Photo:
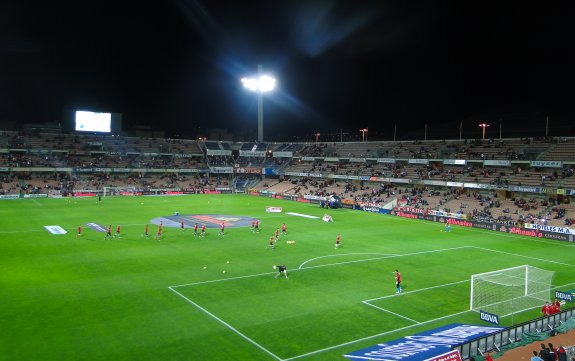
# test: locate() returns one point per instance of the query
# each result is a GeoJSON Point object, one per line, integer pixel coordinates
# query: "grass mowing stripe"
{"type": "Point", "coordinates": [227, 325]}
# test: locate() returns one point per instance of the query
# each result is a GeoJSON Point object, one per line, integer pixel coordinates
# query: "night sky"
{"type": "Point", "coordinates": [340, 65]}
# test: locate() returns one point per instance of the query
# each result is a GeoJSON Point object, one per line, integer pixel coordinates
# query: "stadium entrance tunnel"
{"type": "Point", "coordinates": [210, 220]}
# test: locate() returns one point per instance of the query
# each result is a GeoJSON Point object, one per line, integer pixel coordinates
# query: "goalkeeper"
{"type": "Point", "coordinates": [281, 270]}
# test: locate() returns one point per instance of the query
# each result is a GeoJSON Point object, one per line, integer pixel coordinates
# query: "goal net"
{"type": "Point", "coordinates": [119, 191]}
{"type": "Point", "coordinates": [510, 290]}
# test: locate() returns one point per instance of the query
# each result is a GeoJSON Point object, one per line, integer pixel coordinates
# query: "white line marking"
{"type": "Point", "coordinates": [301, 215]}
{"type": "Point", "coordinates": [343, 254]}
{"type": "Point", "coordinates": [391, 256]}
{"type": "Point", "coordinates": [227, 325]}
{"type": "Point", "coordinates": [388, 311]}
{"type": "Point", "coordinates": [419, 290]}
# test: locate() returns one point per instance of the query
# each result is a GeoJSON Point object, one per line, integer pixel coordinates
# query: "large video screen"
{"type": "Point", "coordinates": [85, 121]}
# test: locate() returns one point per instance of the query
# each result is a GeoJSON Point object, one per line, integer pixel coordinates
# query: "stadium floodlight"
{"type": "Point", "coordinates": [363, 133]}
{"type": "Point", "coordinates": [261, 84]}
{"type": "Point", "coordinates": [484, 126]}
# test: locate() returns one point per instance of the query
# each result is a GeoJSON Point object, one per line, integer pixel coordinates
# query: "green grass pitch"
{"type": "Point", "coordinates": [63, 298]}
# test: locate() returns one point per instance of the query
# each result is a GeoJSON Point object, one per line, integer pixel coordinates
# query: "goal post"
{"type": "Point", "coordinates": [507, 291]}
{"type": "Point", "coordinates": [119, 191]}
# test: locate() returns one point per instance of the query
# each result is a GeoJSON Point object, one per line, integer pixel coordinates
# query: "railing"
{"type": "Point", "coordinates": [511, 334]}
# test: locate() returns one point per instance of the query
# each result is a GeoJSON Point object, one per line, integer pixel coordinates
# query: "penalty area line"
{"type": "Point", "coordinates": [391, 312]}
{"type": "Point", "coordinates": [226, 325]}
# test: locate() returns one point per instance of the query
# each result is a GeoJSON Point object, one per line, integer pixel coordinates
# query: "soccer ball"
{"type": "Point", "coordinates": [274, 267]}
{"type": "Point", "coordinates": [205, 267]}
{"type": "Point", "coordinates": [224, 271]}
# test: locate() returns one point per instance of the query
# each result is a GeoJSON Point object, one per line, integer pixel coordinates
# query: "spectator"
{"type": "Point", "coordinates": [535, 357]}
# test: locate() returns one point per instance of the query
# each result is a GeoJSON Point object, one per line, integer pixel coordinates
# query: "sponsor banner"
{"type": "Point", "coordinates": [83, 170]}
{"type": "Point", "coordinates": [270, 171]}
{"type": "Point", "coordinates": [489, 317]}
{"type": "Point", "coordinates": [283, 154]}
{"type": "Point", "coordinates": [552, 229]}
{"type": "Point", "coordinates": [331, 159]}
{"type": "Point", "coordinates": [415, 210]}
{"type": "Point", "coordinates": [454, 184]}
{"type": "Point", "coordinates": [4, 169]}
{"type": "Point", "coordinates": [347, 206]}
{"type": "Point", "coordinates": [248, 170]}
{"type": "Point", "coordinates": [385, 160]}
{"type": "Point", "coordinates": [357, 160]}
{"type": "Point", "coordinates": [96, 227]}
{"type": "Point", "coordinates": [424, 346]}
{"type": "Point", "coordinates": [314, 197]}
{"type": "Point", "coordinates": [570, 192]}
{"type": "Point", "coordinates": [295, 174]}
{"type": "Point", "coordinates": [309, 159]}
{"type": "Point", "coordinates": [55, 229]}
{"type": "Point", "coordinates": [434, 183]}
{"type": "Point", "coordinates": [371, 209]}
{"type": "Point", "coordinates": [524, 189]}
{"type": "Point", "coordinates": [418, 161]}
{"type": "Point", "coordinates": [315, 175]}
{"type": "Point", "coordinates": [448, 356]}
{"type": "Point", "coordinates": [274, 209]}
{"type": "Point", "coordinates": [121, 170]}
{"type": "Point", "coordinates": [183, 155]}
{"type": "Point", "coordinates": [455, 161]}
{"type": "Point", "coordinates": [446, 214]}
{"type": "Point", "coordinates": [84, 194]}
{"type": "Point", "coordinates": [303, 200]}
{"type": "Point", "coordinates": [479, 185]}
{"type": "Point", "coordinates": [494, 221]}
{"type": "Point", "coordinates": [221, 169]}
{"type": "Point", "coordinates": [218, 152]}
{"type": "Point", "coordinates": [364, 177]}
{"type": "Point", "coordinates": [547, 163]}
{"type": "Point", "coordinates": [97, 144]}
{"type": "Point", "coordinates": [565, 296]}
{"type": "Point", "coordinates": [210, 191]}
{"type": "Point", "coordinates": [253, 153]}
{"type": "Point", "coordinates": [10, 196]}
{"type": "Point", "coordinates": [497, 162]}
{"type": "Point", "coordinates": [36, 195]}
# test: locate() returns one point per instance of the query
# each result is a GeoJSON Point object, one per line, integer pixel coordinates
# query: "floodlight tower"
{"type": "Point", "coordinates": [261, 84]}
{"type": "Point", "coordinates": [363, 133]}
{"type": "Point", "coordinates": [484, 126]}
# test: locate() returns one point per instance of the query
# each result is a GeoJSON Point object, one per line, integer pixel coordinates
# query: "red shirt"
{"type": "Point", "coordinates": [146, 229]}
{"type": "Point", "coordinates": [79, 230]}
{"type": "Point", "coordinates": [338, 239]}
{"type": "Point", "coordinates": [109, 230]}
{"type": "Point", "coordinates": [222, 226]}
{"type": "Point", "coordinates": [283, 227]}
{"type": "Point", "coordinates": [398, 276]}
{"type": "Point", "coordinates": [271, 240]}
{"type": "Point", "coordinates": [545, 310]}
{"type": "Point", "coordinates": [118, 229]}
{"type": "Point", "coordinates": [195, 227]}
{"type": "Point", "coordinates": [203, 228]}
{"type": "Point", "coordinates": [277, 232]}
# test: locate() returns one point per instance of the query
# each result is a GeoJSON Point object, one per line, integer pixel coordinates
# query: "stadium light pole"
{"type": "Point", "coordinates": [484, 126]}
{"type": "Point", "coordinates": [363, 132]}
{"type": "Point", "coordinates": [261, 84]}
{"type": "Point", "coordinates": [317, 137]}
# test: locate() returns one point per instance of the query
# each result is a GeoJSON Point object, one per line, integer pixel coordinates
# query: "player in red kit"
{"type": "Point", "coordinates": [546, 309]}
{"type": "Point", "coordinates": [146, 232]}
{"type": "Point", "coordinates": [257, 226]}
{"type": "Point", "coordinates": [397, 281]}
{"type": "Point", "coordinates": [159, 232]}
{"type": "Point", "coordinates": [108, 232]}
{"type": "Point", "coordinates": [195, 229]}
{"type": "Point", "coordinates": [222, 229]}
{"type": "Point", "coordinates": [277, 234]}
{"type": "Point", "coordinates": [253, 225]}
{"type": "Point", "coordinates": [182, 225]}
{"type": "Point", "coordinates": [117, 231]}
{"type": "Point", "coordinates": [338, 241]}
{"type": "Point", "coordinates": [79, 234]}
{"type": "Point", "coordinates": [272, 244]}
{"type": "Point", "coordinates": [284, 228]}
{"type": "Point", "coordinates": [203, 232]}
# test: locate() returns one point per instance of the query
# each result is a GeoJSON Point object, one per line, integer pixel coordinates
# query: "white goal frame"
{"type": "Point", "coordinates": [540, 289]}
{"type": "Point", "coordinates": [125, 191]}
